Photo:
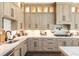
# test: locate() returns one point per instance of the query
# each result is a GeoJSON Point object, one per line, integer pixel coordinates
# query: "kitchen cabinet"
{"type": "Point", "coordinates": [65, 42]}
{"type": "Point", "coordinates": [76, 42]}
{"type": "Point", "coordinates": [34, 44]}
{"type": "Point", "coordinates": [14, 13]}
{"type": "Point", "coordinates": [63, 13]}
{"type": "Point", "coordinates": [49, 44]}
{"type": "Point", "coordinates": [9, 10]}
{"type": "Point", "coordinates": [17, 51]}
{"type": "Point", "coordinates": [21, 49]}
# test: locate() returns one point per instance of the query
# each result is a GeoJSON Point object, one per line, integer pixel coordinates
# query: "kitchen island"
{"type": "Point", "coordinates": [69, 51]}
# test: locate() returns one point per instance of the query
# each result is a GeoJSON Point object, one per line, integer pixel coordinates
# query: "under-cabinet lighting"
{"type": "Point", "coordinates": [27, 9]}
{"type": "Point", "coordinates": [39, 9]}
{"type": "Point", "coordinates": [19, 4]}
{"type": "Point", "coordinates": [45, 9]}
{"type": "Point", "coordinates": [33, 9]}
{"type": "Point", "coordinates": [51, 9]}
{"type": "Point", "coordinates": [73, 9]}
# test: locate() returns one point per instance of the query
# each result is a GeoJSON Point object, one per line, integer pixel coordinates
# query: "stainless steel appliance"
{"type": "Point", "coordinates": [60, 30]}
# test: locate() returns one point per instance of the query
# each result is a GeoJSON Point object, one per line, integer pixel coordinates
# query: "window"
{"type": "Point", "coordinates": [27, 9]}
{"type": "Point", "coordinates": [45, 9]}
{"type": "Point", "coordinates": [33, 9]}
{"type": "Point", "coordinates": [7, 24]}
{"type": "Point", "coordinates": [39, 9]}
{"type": "Point", "coordinates": [51, 9]}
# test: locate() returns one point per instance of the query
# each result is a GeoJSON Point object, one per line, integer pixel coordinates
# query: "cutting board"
{"type": "Point", "coordinates": [2, 38]}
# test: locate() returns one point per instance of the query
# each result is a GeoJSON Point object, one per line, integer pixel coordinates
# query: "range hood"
{"type": "Point", "coordinates": [60, 30]}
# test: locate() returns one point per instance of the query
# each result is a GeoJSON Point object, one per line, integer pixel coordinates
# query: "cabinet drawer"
{"type": "Point", "coordinates": [65, 42]}
{"type": "Point", "coordinates": [50, 49]}
{"type": "Point", "coordinates": [50, 39]}
{"type": "Point", "coordinates": [46, 43]}
{"type": "Point", "coordinates": [76, 42]}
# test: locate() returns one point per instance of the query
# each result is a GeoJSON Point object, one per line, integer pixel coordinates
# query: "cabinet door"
{"type": "Point", "coordinates": [76, 42]}
{"type": "Point", "coordinates": [63, 13]}
{"type": "Point", "coordinates": [28, 44]}
{"type": "Point", "coordinates": [59, 13]}
{"type": "Point", "coordinates": [6, 9]}
{"type": "Point", "coordinates": [34, 44]}
{"type": "Point", "coordinates": [65, 42]}
{"type": "Point", "coordinates": [49, 44]}
{"type": "Point", "coordinates": [23, 48]}
{"type": "Point", "coordinates": [17, 52]}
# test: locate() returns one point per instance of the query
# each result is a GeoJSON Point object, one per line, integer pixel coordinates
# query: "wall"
{"type": "Point", "coordinates": [1, 13]}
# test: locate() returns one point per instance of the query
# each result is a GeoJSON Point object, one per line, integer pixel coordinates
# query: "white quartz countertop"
{"type": "Point", "coordinates": [49, 34]}
{"type": "Point", "coordinates": [6, 47]}
{"type": "Point", "coordinates": [70, 50]}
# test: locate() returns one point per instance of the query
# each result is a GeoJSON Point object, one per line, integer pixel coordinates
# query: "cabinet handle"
{"type": "Point", "coordinates": [50, 48]}
{"type": "Point", "coordinates": [64, 43]}
{"type": "Point", "coordinates": [50, 43]}
{"type": "Point", "coordinates": [64, 17]}
{"type": "Point", "coordinates": [49, 39]}
{"type": "Point", "coordinates": [78, 43]}
{"type": "Point", "coordinates": [20, 51]}
{"type": "Point", "coordinates": [35, 44]}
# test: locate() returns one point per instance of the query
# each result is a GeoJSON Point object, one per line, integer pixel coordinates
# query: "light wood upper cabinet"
{"type": "Point", "coordinates": [63, 13]}
{"type": "Point", "coordinates": [7, 10]}
{"type": "Point", "coordinates": [10, 10]}
{"type": "Point", "coordinates": [21, 49]}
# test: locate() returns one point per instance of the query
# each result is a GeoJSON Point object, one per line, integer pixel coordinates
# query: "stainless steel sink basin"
{"type": "Point", "coordinates": [12, 41]}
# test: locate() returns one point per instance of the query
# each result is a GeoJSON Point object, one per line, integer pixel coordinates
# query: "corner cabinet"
{"type": "Point", "coordinates": [21, 49]}
{"type": "Point", "coordinates": [34, 44]}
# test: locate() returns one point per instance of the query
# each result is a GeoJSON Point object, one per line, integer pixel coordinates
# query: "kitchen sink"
{"type": "Point", "coordinates": [12, 41]}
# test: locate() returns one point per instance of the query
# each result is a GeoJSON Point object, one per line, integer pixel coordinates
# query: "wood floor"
{"type": "Point", "coordinates": [43, 54]}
